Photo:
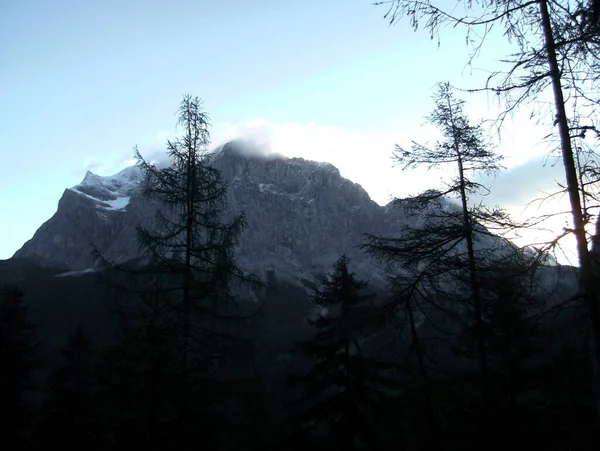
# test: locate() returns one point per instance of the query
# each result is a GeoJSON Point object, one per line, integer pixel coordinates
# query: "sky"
{"type": "Point", "coordinates": [82, 82]}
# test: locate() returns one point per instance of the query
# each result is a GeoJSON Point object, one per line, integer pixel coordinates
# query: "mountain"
{"type": "Point", "coordinates": [302, 215]}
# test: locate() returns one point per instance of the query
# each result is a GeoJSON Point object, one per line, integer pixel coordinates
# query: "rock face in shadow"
{"type": "Point", "coordinates": [302, 215]}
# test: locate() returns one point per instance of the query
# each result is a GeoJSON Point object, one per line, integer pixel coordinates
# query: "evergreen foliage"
{"type": "Point", "coordinates": [17, 362]}
{"type": "Point", "coordinates": [166, 376]}
{"type": "Point", "coordinates": [68, 416]}
{"type": "Point", "coordinates": [346, 392]}
{"type": "Point", "coordinates": [447, 274]}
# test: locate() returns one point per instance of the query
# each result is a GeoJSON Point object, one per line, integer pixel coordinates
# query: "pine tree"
{"type": "Point", "coordinates": [17, 362]}
{"type": "Point", "coordinates": [68, 412]}
{"type": "Point", "coordinates": [346, 391]}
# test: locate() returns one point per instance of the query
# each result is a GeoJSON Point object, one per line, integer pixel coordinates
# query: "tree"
{"type": "Point", "coordinates": [140, 376]}
{"type": "Point", "coordinates": [189, 316]}
{"type": "Point", "coordinates": [511, 306]}
{"type": "Point", "coordinates": [192, 241]}
{"type": "Point", "coordinates": [411, 305]}
{"type": "Point", "coordinates": [345, 390]}
{"type": "Point", "coordinates": [68, 412]}
{"type": "Point", "coordinates": [17, 360]}
{"type": "Point", "coordinates": [558, 49]}
{"type": "Point", "coordinates": [439, 264]}
{"type": "Point", "coordinates": [438, 244]}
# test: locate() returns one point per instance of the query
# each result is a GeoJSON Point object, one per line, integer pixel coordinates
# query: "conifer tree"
{"type": "Point", "coordinates": [449, 243]}
{"type": "Point", "coordinates": [557, 49]}
{"type": "Point", "coordinates": [192, 241]}
{"type": "Point", "coordinates": [140, 376]}
{"type": "Point", "coordinates": [344, 393]}
{"type": "Point", "coordinates": [188, 317]}
{"type": "Point", "coordinates": [438, 263]}
{"type": "Point", "coordinates": [511, 306]}
{"type": "Point", "coordinates": [17, 362]}
{"type": "Point", "coordinates": [409, 298]}
{"type": "Point", "coordinates": [68, 413]}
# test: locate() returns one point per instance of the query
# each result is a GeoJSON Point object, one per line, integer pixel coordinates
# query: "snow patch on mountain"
{"type": "Point", "coordinates": [76, 273]}
{"type": "Point", "coordinates": [112, 193]}
{"type": "Point", "coordinates": [119, 203]}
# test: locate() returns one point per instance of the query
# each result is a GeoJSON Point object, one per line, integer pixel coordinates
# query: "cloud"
{"type": "Point", "coordinates": [363, 157]}
{"type": "Point", "coordinates": [100, 166]}
{"type": "Point", "coordinates": [524, 182]}
{"type": "Point", "coordinates": [529, 192]}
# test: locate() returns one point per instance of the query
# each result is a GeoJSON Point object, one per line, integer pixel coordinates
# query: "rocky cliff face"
{"type": "Point", "coordinates": [93, 213]}
{"type": "Point", "coordinates": [301, 216]}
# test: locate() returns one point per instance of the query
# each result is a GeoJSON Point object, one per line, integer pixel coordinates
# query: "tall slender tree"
{"type": "Point", "coordinates": [557, 50]}
{"type": "Point", "coordinates": [193, 247]}
{"type": "Point", "coordinates": [191, 239]}
{"type": "Point", "coordinates": [447, 246]}
{"type": "Point", "coordinates": [440, 264]}
{"type": "Point", "coordinates": [188, 318]}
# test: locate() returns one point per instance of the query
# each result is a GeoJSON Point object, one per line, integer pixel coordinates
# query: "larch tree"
{"type": "Point", "coordinates": [557, 48]}
{"type": "Point", "coordinates": [438, 264]}
{"type": "Point", "coordinates": [447, 245]}
{"type": "Point", "coordinates": [192, 240]}
{"type": "Point", "coordinates": [188, 318]}
{"type": "Point", "coordinates": [193, 246]}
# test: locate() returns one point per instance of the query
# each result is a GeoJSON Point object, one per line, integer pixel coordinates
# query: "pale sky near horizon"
{"type": "Point", "coordinates": [82, 82]}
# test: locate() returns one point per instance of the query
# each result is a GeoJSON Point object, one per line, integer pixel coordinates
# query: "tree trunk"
{"type": "Point", "coordinates": [587, 282]}
{"type": "Point", "coordinates": [187, 282]}
{"type": "Point", "coordinates": [476, 292]}
{"type": "Point", "coordinates": [433, 439]}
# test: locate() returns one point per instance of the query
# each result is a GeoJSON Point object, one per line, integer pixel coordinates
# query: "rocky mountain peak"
{"type": "Point", "coordinates": [301, 216]}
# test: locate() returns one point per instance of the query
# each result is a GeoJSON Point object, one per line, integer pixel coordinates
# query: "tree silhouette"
{"type": "Point", "coordinates": [346, 391]}
{"type": "Point", "coordinates": [188, 318]}
{"type": "Point", "coordinates": [17, 361]}
{"type": "Point", "coordinates": [68, 412]}
{"type": "Point", "coordinates": [557, 50]}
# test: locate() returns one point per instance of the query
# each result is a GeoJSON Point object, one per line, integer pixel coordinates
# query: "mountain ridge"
{"type": "Point", "coordinates": [301, 216]}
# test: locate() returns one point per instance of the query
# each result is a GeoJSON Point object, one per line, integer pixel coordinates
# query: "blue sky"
{"type": "Point", "coordinates": [82, 82]}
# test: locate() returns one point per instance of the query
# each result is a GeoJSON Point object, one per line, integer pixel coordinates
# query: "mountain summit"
{"type": "Point", "coordinates": [302, 215]}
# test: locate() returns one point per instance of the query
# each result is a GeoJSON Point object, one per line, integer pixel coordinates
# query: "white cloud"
{"type": "Point", "coordinates": [100, 166]}
{"type": "Point", "coordinates": [363, 157]}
